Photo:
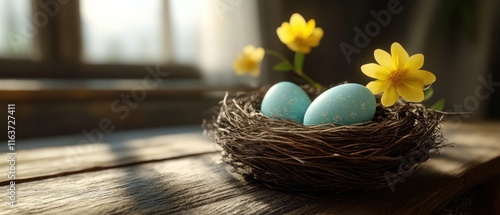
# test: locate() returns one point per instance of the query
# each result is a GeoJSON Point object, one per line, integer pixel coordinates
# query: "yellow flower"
{"type": "Point", "coordinates": [298, 35]}
{"type": "Point", "coordinates": [398, 75]}
{"type": "Point", "coordinates": [248, 62]}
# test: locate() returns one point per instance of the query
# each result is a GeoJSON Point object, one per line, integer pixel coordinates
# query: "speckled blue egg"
{"type": "Point", "coordinates": [342, 105]}
{"type": "Point", "coordinates": [285, 100]}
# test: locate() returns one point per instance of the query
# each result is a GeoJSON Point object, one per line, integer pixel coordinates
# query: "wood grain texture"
{"type": "Point", "coordinates": [75, 153]}
{"type": "Point", "coordinates": [199, 184]}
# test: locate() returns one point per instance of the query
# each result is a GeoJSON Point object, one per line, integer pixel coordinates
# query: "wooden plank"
{"type": "Point", "coordinates": [200, 184]}
{"type": "Point", "coordinates": [76, 154]}
{"type": "Point", "coordinates": [472, 144]}
{"type": "Point", "coordinates": [70, 116]}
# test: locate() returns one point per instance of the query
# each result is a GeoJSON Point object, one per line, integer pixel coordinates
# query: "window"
{"type": "Point", "coordinates": [14, 42]}
{"type": "Point", "coordinates": [118, 38]}
{"type": "Point", "coordinates": [83, 56]}
{"type": "Point", "coordinates": [130, 34]}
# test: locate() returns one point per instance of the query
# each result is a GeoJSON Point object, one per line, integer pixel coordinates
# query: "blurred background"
{"type": "Point", "coordinates": [69, 64]}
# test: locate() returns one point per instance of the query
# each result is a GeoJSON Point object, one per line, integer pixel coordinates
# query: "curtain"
{"type": "Point", "coordinates": [457, 37]}
{"type": "Point", "coordinates": [210, 33]}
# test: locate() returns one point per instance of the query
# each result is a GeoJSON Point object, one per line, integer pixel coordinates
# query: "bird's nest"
{"type": "Point", "coordinates": [287, 155]}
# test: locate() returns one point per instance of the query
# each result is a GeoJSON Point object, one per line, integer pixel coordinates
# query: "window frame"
{"type": "Point", "coordinates": [58, 46]}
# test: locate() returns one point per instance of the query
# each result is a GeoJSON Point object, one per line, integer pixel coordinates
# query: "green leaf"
{"type": "Point", "coordinates": [299, 61]}
{"type": "Point", "coordinates": [439, 105]}
{"type": "Point", "coordinates": [284, 66]}
{"type": "Point", "coordinates": [428, 93]}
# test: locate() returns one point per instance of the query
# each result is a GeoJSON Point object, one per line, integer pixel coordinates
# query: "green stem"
{"type": "Point", "coordinates": [309, 79]}
{"type": "Point", "coordinates": [296, 69]}
{"type": "Point", "coordinates": [299, 64]}
{"type": "Point", "coordinates": [278, 55]}
{"type": "Point", "coordinates": [298, 60]}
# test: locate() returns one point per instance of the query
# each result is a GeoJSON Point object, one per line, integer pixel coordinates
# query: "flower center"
{"type": "Point", "coordinates": [397, 77]}
{"type": "Point", "coordinates": [250, 64]}
{"type": "Point", "coordinates": [300, 41]}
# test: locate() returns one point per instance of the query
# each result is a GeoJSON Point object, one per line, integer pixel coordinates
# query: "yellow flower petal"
{"type": "Point", "coordinates": [398, 75]}
{"type": "Point", "coordinates": [293, 47]}
{"type": "Point", "coordinates": [415, 62]}
{"type": "Point", "coordinates": [297, 22]}
{"type": "Point", "coordinates": [315, 37]}
{"type": "Point", "coordinates": [238, 68]}
{"type": "Point", "coordinates": [423, 76]}
{"type": "Point", "coordinates": [411, 91]}
{"type": "Point", "coordinates": [378, 86]}
{"type": "Point", "coordinates": [389, 97]}
{"type": "Point", "coordinates": [257, 54]}
{"type": "Point", "coordinates": [399, 56]}
{"type": "Point", "coordinates": [248, 61]}
{"type": "Point", "coordinates": [285, 33]}
{"type": "Point", "coordinates": [248, 50]}
{"type": "Point", "coordinates": [298, 35]}
{"type": "Point", "coordinates": [296, 47]}
{"type": "Point", "coordinates": [376, 71]}
{"type": "Point", "coordinates": [309, 28]}
{"type": "Point", "coordinates": [384, 59]}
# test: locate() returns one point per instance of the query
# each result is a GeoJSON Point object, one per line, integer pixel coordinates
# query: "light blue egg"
{"type": "Point", "coordinates": [342, 105]}
{"type": "Point", "coordinates": [285, 100]}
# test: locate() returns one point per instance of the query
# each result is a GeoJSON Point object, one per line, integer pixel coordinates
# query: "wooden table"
{"type": "Point", "coordinates": [178, 171]}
